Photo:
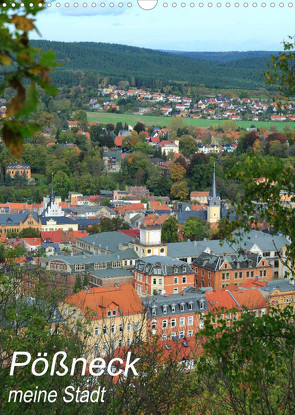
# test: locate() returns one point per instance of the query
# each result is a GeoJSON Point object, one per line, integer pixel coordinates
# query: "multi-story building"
{"type": "Point", "coordinates": [176, 315]}
{"type": "Point", "coordinates": [16, 222]}
{"type": "Point", "coordinates": [113, 316]}
{"type": "Point", "coordinates": [280, 293]}
{"type": "Point", "coordinates": [219, 271]}
{"type": "Point", "coordinates": [21, 169]}
{"type": "Point", "coordinates": [161, 275]}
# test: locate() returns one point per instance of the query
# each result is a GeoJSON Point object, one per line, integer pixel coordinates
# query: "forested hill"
{"type": "Point", "coordinates": [151, 68]}
{"type": "Point", "coordinates": [225, 56]}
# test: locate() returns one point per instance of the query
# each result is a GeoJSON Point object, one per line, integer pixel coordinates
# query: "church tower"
{"type": "Point", "coordinates": [214, 203]}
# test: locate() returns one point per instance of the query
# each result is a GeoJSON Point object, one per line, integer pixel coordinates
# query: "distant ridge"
{"type": "Point", "coordinates": [149, 68]}
{"type": "Point", "coordinates": [225, 56]}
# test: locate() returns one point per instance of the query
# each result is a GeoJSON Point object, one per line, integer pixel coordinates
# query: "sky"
{"type": "Point", "coordinates": [179, 28]}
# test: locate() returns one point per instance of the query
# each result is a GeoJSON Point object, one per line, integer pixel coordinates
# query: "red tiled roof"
{"type": "Point", "coordinates": [221, 299]}
{"type": "Point", "coordinates": [33, 241]}
{"type": "Point", "coordinates": [118, 140]}
{"type": "Point", "coordinates": [95, 302]}
{"type": "Point", "coordinates": [134, 233]}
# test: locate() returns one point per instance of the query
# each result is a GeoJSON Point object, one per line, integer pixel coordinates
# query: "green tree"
{"type": "Point", "coordinates": [78, 284]}
{"type": "Point", "coordinates": [195, 229]}
{"type": "Point", "coordinates": [23, 69]}
{"type": "Point", "coordinates": [29, 233]}
{"type": "Point", "coordinates": [187, 146]}
{"type": "Point", "coordinates": [247, 366]}
{"type": "Point", "coordinates": [170, 230]}
{"type": "Point", "coordinates": [281, 72]}
{"type": "Point", "coordinates": [179, 190]}
{"type": "Point", "coordinates": [61, 184]}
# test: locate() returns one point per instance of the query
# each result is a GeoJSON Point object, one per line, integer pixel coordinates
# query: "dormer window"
{"type": "Point", "coordinates": [225, 266]}
{"type": "Point", "coordinates": [182, 307]}
{"type": "Point", "coordinates": [202, 305]}
{"type": "Point", "coordinates": [164, 309]}
{"type": "Point", "coordinates": [190, 306]}
{"type": "Point", "coordinates": [109, 313]}
{"type": "Point", "coordinates": [154, 311]}
{"type": "Point", "coordinates": [173, 308]}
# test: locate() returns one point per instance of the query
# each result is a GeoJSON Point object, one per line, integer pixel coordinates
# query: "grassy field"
{"type": "Point", "coordinates": [110, 118]}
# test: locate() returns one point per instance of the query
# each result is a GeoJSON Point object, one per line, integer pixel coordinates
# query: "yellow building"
{"type": "Point", "coordinates": [16, 222]}
{"type": "Point", "coordinates": [22, 169]}
{"type": "Point", "coordinates": [113, 317]}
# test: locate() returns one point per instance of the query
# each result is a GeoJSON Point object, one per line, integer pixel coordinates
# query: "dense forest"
{"type": "Point", "coordinates": [153, 69]}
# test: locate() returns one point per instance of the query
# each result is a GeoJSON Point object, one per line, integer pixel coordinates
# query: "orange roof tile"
{"type": "Point", "coordinates": [95, 302]}
{"type": "Point", "coordinates": [219, 300]}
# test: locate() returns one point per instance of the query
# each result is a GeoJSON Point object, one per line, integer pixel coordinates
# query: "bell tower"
{"type": "Point", "coordinates": [150, 242]}
{"type": "Point", "coordinates": [214, 203]}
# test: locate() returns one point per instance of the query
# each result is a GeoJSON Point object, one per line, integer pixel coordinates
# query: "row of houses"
{"type": "Point", "coordinates": [116, 316]}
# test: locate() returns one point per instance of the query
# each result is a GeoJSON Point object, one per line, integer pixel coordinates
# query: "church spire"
{"type": "Point", "coordinates": [213, 189]}
{"type": "Point", "coordinates": [52, 197]}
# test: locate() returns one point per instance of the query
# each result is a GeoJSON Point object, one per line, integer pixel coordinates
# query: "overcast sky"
{"type": "Point", "coordinates": [194, 29]}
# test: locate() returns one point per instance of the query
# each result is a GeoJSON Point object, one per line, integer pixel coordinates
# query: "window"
{"type": "Point", "coordinates": [175, 290]}
{"type": "Point", "coordinates": [190, 306]}
{"type": "Point", "coordinates": [183, 280]}
{"type": "Point", "coordinates": [104, 345]}
{"type": "Point", "coordinates": [164, 337]}
{"type": "Point", "coordinates": [181, 307]}
{"type": "Point", "coordinates": [223, 276]}
{"type": "Point", "coordinates": [79, 267]}
{"type": "Point", "coordinates": [201, 324]}
{"type": "Point", "coordinates": [175, 280]}
{"type": "Point", "coordinates": [236, 275]}
{"type": "Point", "coordinates": [209, 275]}
{"type": "Point", "coordinates": [100, 265]}
{"type": "Point", "coordinates": [109, 313]}
{"type": "Point", "coordinates": [173, 322]}
{"type": "Point", "coordinates": [120, 328]}
{"type": "Point", "coordinates": [260, 272]}
{"type": "Point", "coordinates": [113, 329]}
{"type": "Point", "coordinates": [164, 324]}
{"type": "Point", "coordinates": [129, 327]}
{"type": "Point", "coordinates": [128, 342]}
{"type": "Point", "coordinates": [154, 311]}
{"type": "Point", "coordinates": [241, 274]}
{"type": "Point", "coordinates": [190, 333]}
{"type": "Point", "coordinates": [162, 250]}
{"type": "Point", "coordinates": [190, 321]}
{"type": "Point", "coordinates": [264, 273]}
{"type": "Point", "coordinates": [173, 309]}
{"type": "Point", "coordinates": [136, 326]}
{"type": "Point", "coordinates": [182, 321]}
{"type": "Point", "coordinates": [149, 251]}
{"type": "Point", "coordinates": [201, 305]}
{"type": "Point", "coordinates": [96, 331]}
{"type": "Point", "coordinates": [157, 271]}
{"type": "Point", "coordinates": [96, 347]}
{"type": "Point", "coordinates": [181, 334]}
{"type": "Point", "coordinates": [104, 329]}
{"type": "Point", "coordinates": [227, 275]}
{"type": "Point", "coordinates": [120, 343]}
{"type": "Point", "coordinates": [164, 309]}
{"type": "Point", "coordinates": [160, 281]}
{"type": "Point", "coordinates": [154, 325]}
{"type": "Point", "coordinates": [154, 281]}
{"type": "Point", "coordinates": [203, 273]}
{"type": "Point", "coordinates": [114, 312]}
{"type": "Point", "coordinates": [225, 266]}
{"type": "Point", "coordinates": [247, 274]}
{"type": "Point", "coordinates": [252, 274]}
{"type": "Point", "coordinates": [116, 264]}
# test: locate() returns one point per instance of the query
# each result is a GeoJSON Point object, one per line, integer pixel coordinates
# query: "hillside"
{"type": "Point", "coordinates": [151, 68]}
